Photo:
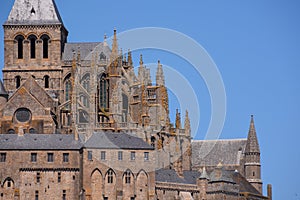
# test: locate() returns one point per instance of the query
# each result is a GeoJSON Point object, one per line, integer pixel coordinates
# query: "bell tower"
{"type": "Point", "coordinates": [34, 38]}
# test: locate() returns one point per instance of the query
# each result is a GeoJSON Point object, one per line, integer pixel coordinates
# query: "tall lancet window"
{"type": "Point", "coordinates": [103, 92]}
{"type": "Point", "coordinates": [86, 82]}
{"type": "Point", "coordinates": [45, 39]}
{"type": "Point", "coordinates": [68, 88]}
{"type": "Point", "coordinates": [32, 41]}
{"type": "Point", "coordinates": [20, 39]}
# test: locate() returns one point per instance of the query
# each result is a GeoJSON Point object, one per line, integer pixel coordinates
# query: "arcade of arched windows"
{"type": "Point", "coordinates": [32, 40]}
{"type": "Point", "coordinates": [131, 184]}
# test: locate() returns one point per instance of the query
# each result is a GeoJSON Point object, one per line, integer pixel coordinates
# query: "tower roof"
{"type": "Point", "coordinates": [33, 12]}
{"type": "Point", "coordinates": [252, 141]}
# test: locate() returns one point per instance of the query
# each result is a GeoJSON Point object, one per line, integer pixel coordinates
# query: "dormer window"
{"type": "Point", "coordinates": [32, 11]}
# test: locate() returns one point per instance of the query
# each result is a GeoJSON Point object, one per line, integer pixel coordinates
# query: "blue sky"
{"type": "Point", "coordinates": [256, 46]}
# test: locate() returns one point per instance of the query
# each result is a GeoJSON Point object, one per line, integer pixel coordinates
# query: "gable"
{"type": "Point", "coordinates": [22, 98]}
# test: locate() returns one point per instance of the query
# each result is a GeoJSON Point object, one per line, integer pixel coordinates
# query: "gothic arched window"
{"type": "Point", "coordinates": [110, 176]}
{"type": "Point", "coordinates": [20, 39]}
{"type": "Point", "coordinates": [45, 39]}
{"type": "Point", "coordinates": [32, 40]}
{"type": "Point", "coordinates": [68, 88]}
{"type": "Point", "coordinates": [46, 79]}
{"type": "Point", "coordinates": [85, 81]}
{"type": "Point", "coordinates": [127, 177]}
{"type": "Point", "coordinates": [18, 81]}
{"type": "Point", "coordinates": [102, 56]}
{"type": "Point", "coordinates": [103, 92]}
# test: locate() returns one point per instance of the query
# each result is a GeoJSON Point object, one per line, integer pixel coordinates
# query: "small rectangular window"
{"type": "Point", "coordinates": [120, 155]}
{"type": "Point", "coordinates": [103, 155]}
{"type": "Point", "coordinates": [59, 177]}
{"type": "Point", "coordinates": [132, 155]}
{"type": "Point", "coordinates": [64, 197]}
{"type": "Point", "coordinates": [90, 155]}
{"type": "Point", "coordinates": [146, 156]}
{"type": "Point", "coordinates": [33, 157]}
{"type": "Point", "coordinates": [50, 157]}
{"type": "Point", "coordinates": [38, 177]}
{"type": "Point", "coordinates": [36, 195]}
{"type": "Point", "coordinates": [66, 157]}
{"type": "Point", "coordinates": [2, 157]}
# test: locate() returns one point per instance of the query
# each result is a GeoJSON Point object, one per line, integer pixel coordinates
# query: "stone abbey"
{"type": "Point", "coordinates": [76, 122]}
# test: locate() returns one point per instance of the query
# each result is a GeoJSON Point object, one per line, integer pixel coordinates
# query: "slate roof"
{"type": "Point", "coordinates": [170, 176]}
{"type": "Point", "coordinates": [2, 89]}
{"type": "Point", "coordinates": [234, 149]}
{"type": "Point", "coordinates": [34, 12]}
{"type": "Point", "coordinates": [39, 142]}
{"type": "Point", "coordinates": [226, 176]}
{"type": "Point", "coordinates": [245, 186]}
{"type": "Point", "coordinates": [252, 145]}
{"type": "Point", "coordinates": [86, 50]}
{"type": "Point", "coordinates": [190, 177]}
{"type": "Point", "coordinates": [111, 140]}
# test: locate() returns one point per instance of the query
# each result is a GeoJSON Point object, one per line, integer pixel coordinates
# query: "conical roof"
{"type": "Point", "coordinates": [33, 12]}
{"type": "Point", "coordinates": [252, 141]}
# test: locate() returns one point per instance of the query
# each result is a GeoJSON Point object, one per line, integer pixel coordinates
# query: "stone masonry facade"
{"type": "Point", "coordinates": [76, 122]}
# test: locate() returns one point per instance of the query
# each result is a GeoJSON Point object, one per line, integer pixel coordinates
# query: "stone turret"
{"type": "Point", "coordinates": [202, 184]}
{"type": "Point", "coordinates": [252, 158]}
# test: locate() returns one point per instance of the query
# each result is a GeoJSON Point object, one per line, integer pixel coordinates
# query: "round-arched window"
{"type": "Point", "coordinates": [23, 115]}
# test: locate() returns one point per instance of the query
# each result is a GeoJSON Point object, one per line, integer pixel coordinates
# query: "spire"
{"type": "Point", "coordinates": [141, 71]}
{"type": "Point", "coordinates": [104, 41]}
{"type": "Point", "coordinates": [129, 60]}
{"type": "Point", "coordinates": [114, 51]}
{"type": "Point", "coordinates": [160, 78]}
{"type": "Point", "coordinates": [141, 60]}
{"type": "Point", "coordinates": [34, 12]}
{"type": "Point", "coordinates": [252, 142]}
{"type": "Point", "coordinates": [187, 124]}
{"type": "Point", "coordinates": [178, 120]}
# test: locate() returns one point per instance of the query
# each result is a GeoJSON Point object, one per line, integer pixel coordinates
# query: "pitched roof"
{"type": "Point", "coordinates": [112, 140]}
{"type": "Point", "coordinates": [221, 176]}
{"type": "Point", "coordinates": [39, 142]}
{"type": "Point", "coordinates": [86, 50]}
{"type": "Point", "coordinates": [2, 90]}
{"type": "Point", "coordinates": [211, 152]}
{"type": "Point", "coordinates": [170, 176]}
{"type": "Point", "coordinates": [244, 185]}
{"type": "Point", "coordinates": [190, 177]}
{"type": "Point", "coordinates": [34, 12]}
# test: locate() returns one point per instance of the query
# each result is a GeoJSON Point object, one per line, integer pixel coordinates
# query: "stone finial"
{"type": "Point", "coordinates": [141, 60]}
{"type": "Point", "coordinates": [129, 58]}
{"type": "Point", "coordinates": [178, 120]}
{"type": "Point", "coordinates": [114, 50]}
{"type": "Point", "coordinates": [105, 40]}
{"type": "Point", "coordinates": [187, 124]}
{"type": "Point", "coordinates": [160, 78]}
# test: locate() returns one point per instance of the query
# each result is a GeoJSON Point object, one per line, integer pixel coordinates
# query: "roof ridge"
{"type": "Point", "coordinates": [234, 139]}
